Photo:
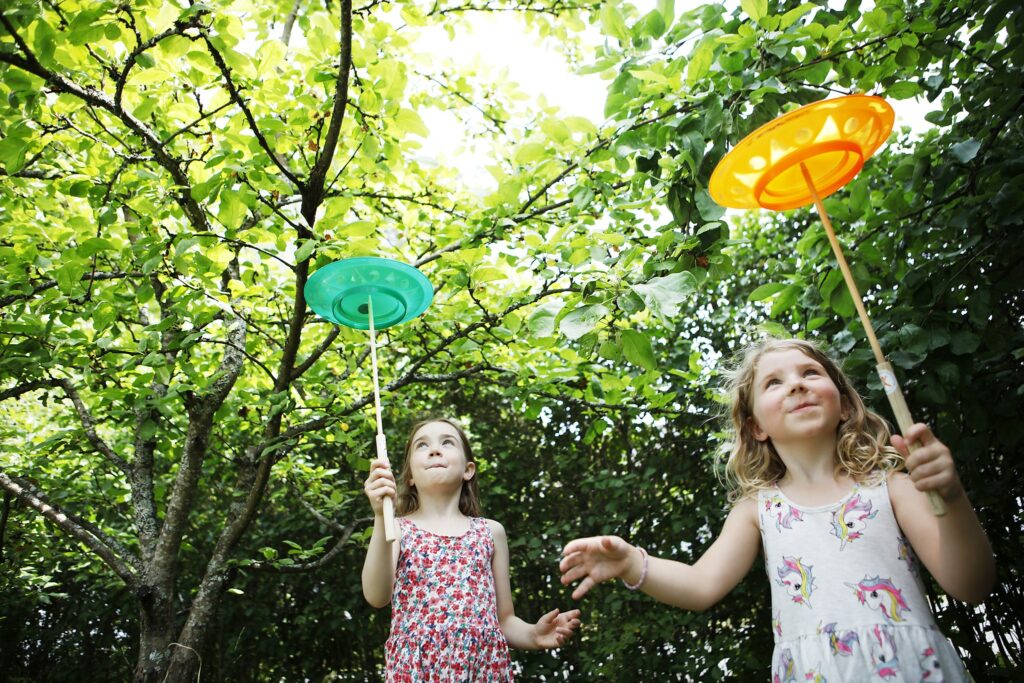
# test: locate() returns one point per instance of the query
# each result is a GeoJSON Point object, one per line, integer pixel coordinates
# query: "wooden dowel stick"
{"type": "Point", "coordinates": [382, 446]}
{"type": "Point", "coordinates": [885, 372]}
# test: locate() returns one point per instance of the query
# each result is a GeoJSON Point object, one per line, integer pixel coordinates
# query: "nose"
{"type": "Point", "coordinates": [797, 384]}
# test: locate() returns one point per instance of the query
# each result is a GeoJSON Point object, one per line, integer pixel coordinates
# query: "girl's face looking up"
{"type": "Point", "coordinates": [438, 458]}
{"type": "Point", "coordinates": [794, 399]}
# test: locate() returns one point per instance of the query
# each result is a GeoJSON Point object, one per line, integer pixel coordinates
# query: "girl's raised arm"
{"type": "Point", "coordinates": [693, 587]}
{"type": "Point", "coordinates": [381, 556]}
{"type": "Point", "coordinates": [954, 547]}
{"type": "Point", "coordinates": [550, 631]}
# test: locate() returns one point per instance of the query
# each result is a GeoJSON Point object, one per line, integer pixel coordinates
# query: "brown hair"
{"type": "Point", "coordinates": [408, 498]}
{"type": "Point", "coordinates": [862, 445]}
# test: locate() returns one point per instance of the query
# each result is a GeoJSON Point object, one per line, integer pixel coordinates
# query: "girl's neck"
{"type": "Point", "coordinates": [813, 480]}
{"type": "Point", "coordinates": [808, 459]}
{"type": "Point", "coordinates": [811, 475]}
{"type": "Point", "coordinates": [439, 512]}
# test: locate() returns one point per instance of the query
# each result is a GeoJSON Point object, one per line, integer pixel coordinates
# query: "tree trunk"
{"type": "Point", "coordinates": [156, 632]}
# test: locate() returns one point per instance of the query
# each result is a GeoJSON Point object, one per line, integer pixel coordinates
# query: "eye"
{"type": "Point", "coordinates": [849, 525]}
{"type": "Point", "coordinates": [874, 594]}
{"type": "Point", "coordinates": [811, 371]}
{"type": "Point", "coordinates": [772, 382]}
{"type": "Point", "coordinates": [448, 442]}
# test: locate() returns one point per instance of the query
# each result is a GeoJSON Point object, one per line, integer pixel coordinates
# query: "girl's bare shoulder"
{"type": "Point", "coordinates": [495, 527]}
{"type": "Point", "coordinates": [745, 509]}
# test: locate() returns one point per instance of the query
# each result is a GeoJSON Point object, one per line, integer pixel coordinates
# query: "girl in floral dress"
{"type": "Point", "coordinates": [816, 487]}
{"type": "Point", "coordinates": [447, 575]}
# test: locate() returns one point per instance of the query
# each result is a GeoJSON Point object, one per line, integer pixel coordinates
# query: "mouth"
{"type": "Point", "coordinates": [802, 406]}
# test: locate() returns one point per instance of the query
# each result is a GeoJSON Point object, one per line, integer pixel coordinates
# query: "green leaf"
{"type": "Point", "coordinates": [663, 295]}
{"type": "Point", "coordinates": [903, 90]}
{"type": "Point", "coordinates": [766, 290]}
{"type": "Point", "coordinates": [12, 153]}
{"type": "Point", "coordinates": [666, 8]}
{"type": "Point", "coordinates": [816, 74]}
{"type": "Point", "coordinates": [791, 17]}
{"type": "Point", "coordinates": [709, 209]}
{"type": "Point", "coordinates": [965, 151]}
{"type": "Point", "coordinates": [610, 350]}
{"type": "Point", "coordinates": [232, 210]}
{"type": "Point", "coordinates": [785, 300]}
{"type": "Point", "coordinates": [755, 9]}
{"type": "Point", "coordinates": [94, 245]}
{"type": "Point", "coordinates": [907, 56]}
{"type": "Point", "coordinates": [530, 153]}
{"type": "Point", "coordinates": [581, 320]}
{"type": "Point", "coordinates": [637, 349]}
{"type": "Point", "coordinates": [409, 121]}
{"type": "Point", "coordinates": [305, 250]}
{"type": "Point", "coordinates": [612, 23]}
{"type": "Point", "coordinates": [963, 342]}
{"type": "Point", "coordinates": [653, 24]}
{"type": "Point", "coordinates": [700, 62]}
{"type": "Point", "coordinates": [542, 321]}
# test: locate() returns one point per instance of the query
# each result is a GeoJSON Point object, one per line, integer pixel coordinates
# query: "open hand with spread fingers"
{"type": "Point", "coordinates": [598, 558]}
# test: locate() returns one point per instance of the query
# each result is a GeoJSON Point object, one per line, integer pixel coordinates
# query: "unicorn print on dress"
{"type": "Point", "coordinates": [815, 677]}
{"type": "Point", "coordinates": [931, 668]}
{"type": "Point", "coordinates": [841, 643]}
{"type": "Point", "coordinates": [797, 579]}
{"type": "Point", "coordinates": [777, 624]}
{"type": "Point", "coordinates": [883, 652]}
{"type": "Point", "coordinates": [851, 518]}
{"type": "Point", "coordinates": [906, 554]}
{"type": "Point", "coordinates": [785, 669]}
{"type": "Point", "coordinates": [880, 594]}
{"type": "Point", "coordinates": [782, 512]}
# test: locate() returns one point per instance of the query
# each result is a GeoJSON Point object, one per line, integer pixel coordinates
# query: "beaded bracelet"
{"type": "Point", "coordinates": [643, 573]}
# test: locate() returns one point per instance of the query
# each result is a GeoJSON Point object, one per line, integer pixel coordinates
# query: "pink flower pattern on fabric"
{"type": "Point", "coordinates": [444, 622]}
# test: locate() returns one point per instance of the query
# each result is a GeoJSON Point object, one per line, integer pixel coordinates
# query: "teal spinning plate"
{"type": "Point", "coordinates": [341, 292]}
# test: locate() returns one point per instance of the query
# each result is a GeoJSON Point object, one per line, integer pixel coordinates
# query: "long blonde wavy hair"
{"type": "Point", "coordinates": [862, 445]}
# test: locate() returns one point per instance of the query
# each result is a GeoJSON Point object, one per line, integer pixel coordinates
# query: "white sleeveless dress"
{"type": "Point", "coordinates": [847, 599]}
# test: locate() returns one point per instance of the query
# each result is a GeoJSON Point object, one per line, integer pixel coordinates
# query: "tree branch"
{"type": "Point", "coordinates": [92, 538]}
{"type": "Point", "coordinates": [322, 561]}
{"type": "Point", "coordinates": [62, 84]}
{"type": "Point", "coordinates": [4, 515]}
{"type": "Point", "coordinates": [201, 410]}
{"type": "Point", "coordinates": [313, 192]}
{"type": "Point", "coordinates": [236, 97]}
{"type": "Point", "coordinates": [90, 426]}
{"type": "Point", "coordinates": [50, 284]}
{"type": "Point", "coordinates": [313, 357]}
{"type": "Point", "coordinates": [177, 29]}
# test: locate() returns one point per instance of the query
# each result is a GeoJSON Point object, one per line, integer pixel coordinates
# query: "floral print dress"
{"type": "Point", "coordinates": [847, 599]}
{"type": "Point", "coordinates": [444, 619]}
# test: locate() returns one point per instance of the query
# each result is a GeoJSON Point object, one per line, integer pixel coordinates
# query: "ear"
{"type": "Point", "coordinates": [844, 410]}
{"type": "Point", "coordinates": [755, 429]}
{"type": "Point", "coordinates": [470, 471]}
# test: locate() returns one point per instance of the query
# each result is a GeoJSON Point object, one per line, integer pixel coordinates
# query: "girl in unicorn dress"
{"type": "Point", "coordinates": [816, 486]}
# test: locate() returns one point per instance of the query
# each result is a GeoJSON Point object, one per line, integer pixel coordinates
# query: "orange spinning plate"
{"type": "Point", "coordinates": [832, 138]}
